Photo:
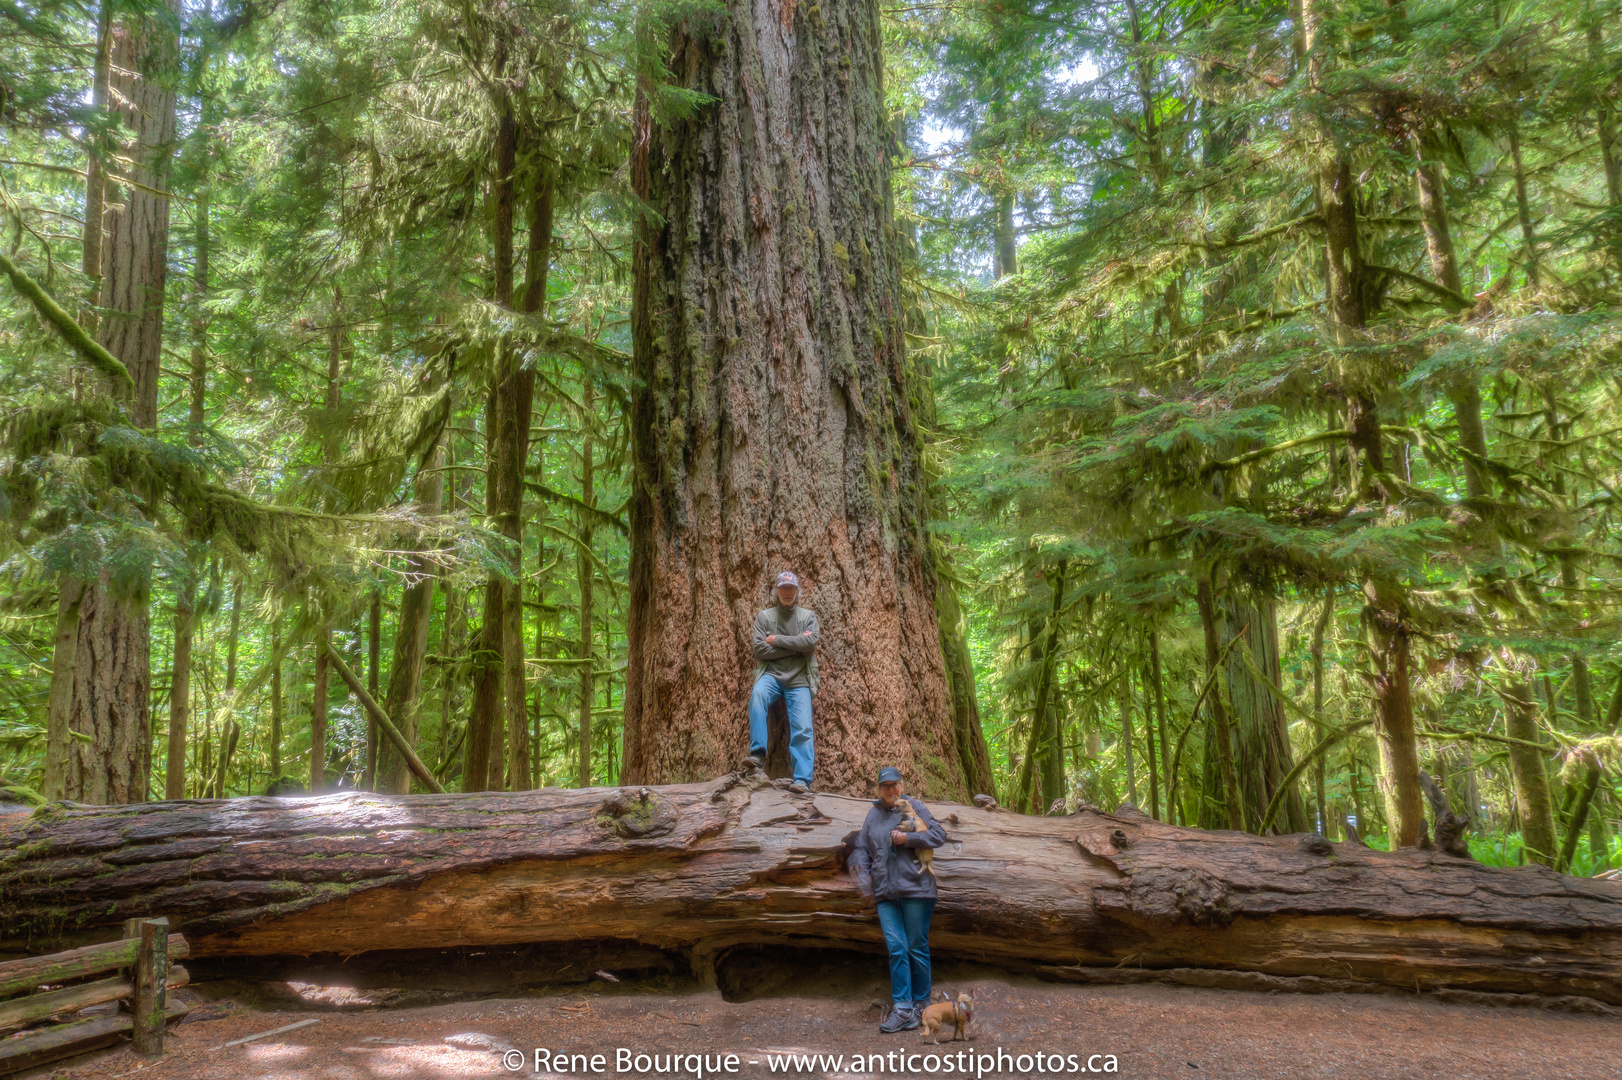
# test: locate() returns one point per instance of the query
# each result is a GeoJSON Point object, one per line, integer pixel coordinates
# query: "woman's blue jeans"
{"type": "Point", "coordinates": [906, 934]}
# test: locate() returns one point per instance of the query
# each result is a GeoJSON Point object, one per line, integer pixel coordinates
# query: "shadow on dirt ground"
{"type": "Point", "coordinates": [815, 1014]}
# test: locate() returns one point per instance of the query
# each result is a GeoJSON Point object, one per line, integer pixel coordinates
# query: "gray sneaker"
{"type": "Point", "coordinates": [800, 787]}
{"type": "Point", "coordinates": [900, 1019]}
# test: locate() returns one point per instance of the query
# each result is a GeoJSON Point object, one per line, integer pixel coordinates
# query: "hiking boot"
{"type": "Point", "coordinates": [800, 787]}
{"type": "Point", "coordinates": [900, 1019]}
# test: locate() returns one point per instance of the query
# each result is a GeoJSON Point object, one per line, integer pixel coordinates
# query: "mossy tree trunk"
{"type": "Point", "coordinates": [112, 675]}
{"type": "Point", "coordinates": [1261, 730]}
{"type": "Point", "coordinates": [411, 638]}
{"type": "Point", "coordinates": [774, 415]}
{"type": "Point", "coordinates": [1526, 766]}
{"type": "Point", "coordinates": [1348, 290]}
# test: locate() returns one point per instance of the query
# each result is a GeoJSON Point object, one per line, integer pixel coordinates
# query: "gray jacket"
{"type": "Point", "coordinates": [792, 659]}
{"type": "Point", "coordinates": [887, 872]}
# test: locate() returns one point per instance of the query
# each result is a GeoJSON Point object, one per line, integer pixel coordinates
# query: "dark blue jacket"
{"type": "Point", "coordinates": [887, 872]}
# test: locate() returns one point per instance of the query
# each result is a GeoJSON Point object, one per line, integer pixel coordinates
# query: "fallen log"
{"type": "Point", "coordinates": [698, 870]}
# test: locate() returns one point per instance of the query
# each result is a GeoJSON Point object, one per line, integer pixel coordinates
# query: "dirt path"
{"type": "Point", "coordinates": [1151, 1031]}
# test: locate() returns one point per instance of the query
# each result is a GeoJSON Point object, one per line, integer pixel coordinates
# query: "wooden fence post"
{"type": "Point", "coordinates": [151, 985]}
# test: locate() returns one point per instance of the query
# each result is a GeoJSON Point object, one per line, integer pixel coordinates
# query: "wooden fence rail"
{"type": "Point", "coordinates": [146, 951]}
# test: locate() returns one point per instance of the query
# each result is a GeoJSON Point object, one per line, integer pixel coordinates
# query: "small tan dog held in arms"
{"type": "Point", "coordinates": [911, 822]}
{"type": "Point", "coordinates": [957, 1013]}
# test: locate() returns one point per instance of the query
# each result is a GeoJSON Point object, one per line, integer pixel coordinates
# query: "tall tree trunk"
{"type": "Point", "coordinates": [585, 574]}
{"type": "Point", "coordinates": [113, 669]}
{"type": "Point", "coordinates": [59, 705]}
{"type": "Point", "coordinates": [1159, 682]}
{"type": "Point", "coordinates": [1388, 674]}
{"type": "Point", "coordinates": [1261, 730]}
{"type": "Point", "coordinates": [1593, 772]}
{"type": "Point", "coordinates": [174, 776]}
{"type": "Point", "coordinates": [1433, 215]}
{"type": "Point", "coordinates": [186, 590]}
{"type": "Point", "coordinates": [232, 730]}
{"type": "Point", "coordinates": [1218, 733]}
{"type": "Point", "coordinates": [514, 684]}
{"type": "Point", "coordinates": [1527, 768]}
{"type": "Point", "coordinates": [506, 438]}
{"type": "Point", "coordinates": [95, 188]}
{"type": "Point", "coordinates": [773, 417]}
{"type": "Point", "coordinates": [374, 647]}
{"type": "Point", "coordinates": [1128, 759]}
{"type": "Point", "coordinates": [1318, 630]}
{"type": "Point", "coordinates": [411, 638]}
{"type": "Point", "coordinates": [1044, 716]}
{"type": "Point", "coordinates": [969, 735]}
{"type": "Point", "coordinates": [1605, 121]}
{"type": "Point", "coordinates": [1523, 206]}
{"type": "Point", "coordinates": [318, 715]}
{"type": "Point", "coordinates": [1150, 762]}
{"type": "Point", "coordinates": [1006, 259]}
{"type": "Point", "coordinates": [1390, 679]}
{"type": "Point", "coordinates": [1466, 398]}
{"type": "Point", "coordinates": [276, 697]}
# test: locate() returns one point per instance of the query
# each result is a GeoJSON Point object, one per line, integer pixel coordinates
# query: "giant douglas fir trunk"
{"type": "Point", "coordinates": [774, 410]}
{"type": "Point", "coordinates": [113, 673]}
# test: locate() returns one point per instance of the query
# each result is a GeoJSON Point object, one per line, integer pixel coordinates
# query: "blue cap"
{"type": "Point", "coordinates": [787, 578]}
{"type": "Point", "coordinates": [889, 773]}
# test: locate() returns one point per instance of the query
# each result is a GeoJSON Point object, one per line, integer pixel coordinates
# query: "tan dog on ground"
{"type": "Point", "coordinates": [958, 1013]}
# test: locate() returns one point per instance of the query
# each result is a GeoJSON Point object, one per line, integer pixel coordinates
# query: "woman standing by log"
{"type": "Point", "coordinates": [893, 875]}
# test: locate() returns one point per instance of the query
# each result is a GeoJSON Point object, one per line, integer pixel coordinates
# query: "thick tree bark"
{"type": "Point", "coordinates": [695, 870]}
{"type": "Point", "coordinates": [113, 668]}
{"type": "Point", "coordinates": [774, 416]}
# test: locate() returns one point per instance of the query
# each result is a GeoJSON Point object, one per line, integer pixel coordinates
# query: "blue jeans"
{"type": "Point", "coordinates": [906, 934]}
{"type": "Point", "coordinates": [800, 751]}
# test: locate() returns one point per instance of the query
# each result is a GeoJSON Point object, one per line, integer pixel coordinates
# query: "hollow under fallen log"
{"type": "Point", "coordinates": [696, 870]}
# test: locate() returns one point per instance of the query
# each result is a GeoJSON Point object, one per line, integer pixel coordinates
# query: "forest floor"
{"type": "Point", "coordinates": [1152, 1031]}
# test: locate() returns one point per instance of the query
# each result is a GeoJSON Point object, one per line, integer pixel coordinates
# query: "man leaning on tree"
{"type": "Point", "coordinates": [785, 641]}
